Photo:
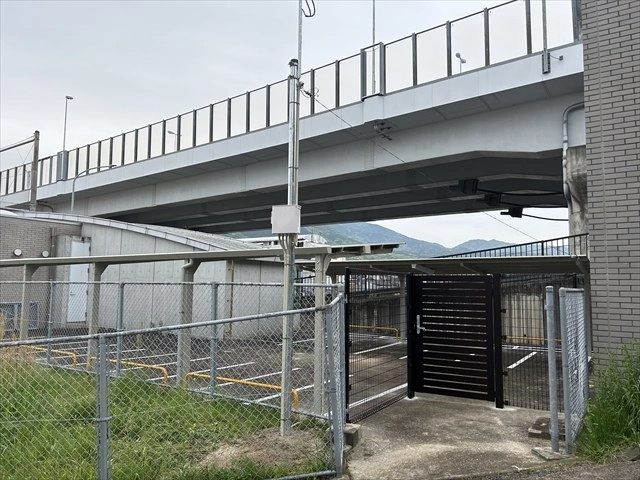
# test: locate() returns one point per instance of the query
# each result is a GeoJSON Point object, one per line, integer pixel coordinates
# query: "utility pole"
{"type": "Point", "coordinates": [289, 236]}
{"type": "Point", "coordinates": [33, 197]}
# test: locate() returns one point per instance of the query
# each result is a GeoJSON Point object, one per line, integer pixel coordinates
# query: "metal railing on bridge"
{"type": "Point", "coordinates": [563, 246]}
{"type": "Point", "coordinates": [504, 32]}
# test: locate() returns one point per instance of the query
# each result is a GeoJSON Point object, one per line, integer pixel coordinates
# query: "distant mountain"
{"type": "Point", "coordinates": [357, 233]}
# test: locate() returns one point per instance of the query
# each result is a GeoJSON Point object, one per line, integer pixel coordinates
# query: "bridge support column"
{"type": "Point", "coordinates": [577, 180]}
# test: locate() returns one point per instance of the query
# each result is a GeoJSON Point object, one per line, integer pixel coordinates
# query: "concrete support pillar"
{"type": "Point", "coordinates": [25, 312]}
{"type": "Point", "coordinates": [186, 316]}
{"type": "Point", "coordinates": [577, 180]}
{"type": "Point", "coordinates": [93, 308]}
{"type": "Point", "coordinates": [321, 267]}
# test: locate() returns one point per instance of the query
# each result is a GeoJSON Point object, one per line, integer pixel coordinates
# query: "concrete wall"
{"type": "Point", "coordinates": [611, 36]}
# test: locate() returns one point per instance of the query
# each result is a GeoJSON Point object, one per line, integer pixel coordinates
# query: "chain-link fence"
{"type": "Point", "coordinates": [175, 380]}
{"type": "Point", "coordinates": [575, 363]}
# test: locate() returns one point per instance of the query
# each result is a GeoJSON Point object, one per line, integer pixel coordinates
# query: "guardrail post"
{"type": "Point", "coordinates": [337, 84]}
{"type": "Point", "coordinates": [267, 102]}
{"type": "Point", "coordinates": [104, 417]}
{"type": "Point", "coordinates": [449, 61]}
{"type": "Point", "coordinates": [211, 123]}
{"type": "Point", "coordinates": [312, 89]}
{"type": "Point", "coordinates": [363, 72]}
{"type": "Point", "coordinates": [487, 43]}
{"type": "Point", "coordinates": [527, 13]}
{"type": "Point", "coordinates": [194, 136]}
{"type": "Point", "coordinates": [164, 136]}
{"type": "Point", "coordinates": [414, 58]}
{"type": "Point", "coordinates": [382, 69]}
{"type": "Point", "coordinates": [247, 113]}
{"type": "Point", "coordinates": [149, 142]}
{"type": "Point", "coordinates": [228, 118]}
{"type": "Point", "coordinates": [178, 132]}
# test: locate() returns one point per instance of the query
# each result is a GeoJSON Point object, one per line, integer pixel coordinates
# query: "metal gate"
{"type": "Point", "coordinates": [455, 336]}
{"type": "Point", "coordinates": [376, 350]}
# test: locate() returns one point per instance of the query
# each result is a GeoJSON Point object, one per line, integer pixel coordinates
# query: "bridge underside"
{"type": "Point", "coordinates": [525, 179]}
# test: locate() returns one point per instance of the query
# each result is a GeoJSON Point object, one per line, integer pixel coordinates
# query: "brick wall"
{"type": "Point", "coordinates": [611, 38]}
{"type": "Point", "coordinates": [32, 237]}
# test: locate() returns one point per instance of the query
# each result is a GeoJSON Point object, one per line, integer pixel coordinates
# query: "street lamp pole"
{"type": "Point", "coordinates": [462, 60]}
{"type": "Point", "coordinates": [175, 139]}
{"type": "Point", "coordinates": [64, 131]}
{"type": "Point", "coordinates": [73, 184]}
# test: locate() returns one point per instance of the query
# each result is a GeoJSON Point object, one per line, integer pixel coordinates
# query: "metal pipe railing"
{"type": "Point", "coordinates": [248, 383]}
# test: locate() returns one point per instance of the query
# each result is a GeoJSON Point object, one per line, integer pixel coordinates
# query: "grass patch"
{"type": "Point", "coordinates": [48, 429]}
{"type": "Point", "coordinates": [612, 422]}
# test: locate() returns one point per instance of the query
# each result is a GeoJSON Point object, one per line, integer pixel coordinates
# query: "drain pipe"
{"type": "Point", "coordinates": [565, 147]}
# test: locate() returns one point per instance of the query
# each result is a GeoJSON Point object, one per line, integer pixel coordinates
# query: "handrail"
{"type": "Point", "coordinates": [572, 241]}
{"type": "Point", "coordinates": [206, 376]}
{"type": "Point", "coordinates": [395, 330]}
{"type": "Point", "coordinates": [163, 370]}
{"type": "Point", "coordinates": [63, 353]}
{"type": "Point", "coordinates": [13, 180]}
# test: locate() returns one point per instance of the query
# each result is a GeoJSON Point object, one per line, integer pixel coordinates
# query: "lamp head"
{"type": "Point", "coordinates": [68, 97]}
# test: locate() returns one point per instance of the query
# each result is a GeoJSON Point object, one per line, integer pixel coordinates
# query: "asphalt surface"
{"type": "Point", "coordinates": [438, 437]}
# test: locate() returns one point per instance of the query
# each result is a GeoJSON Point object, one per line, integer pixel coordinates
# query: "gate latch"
{"type": "Point", "coordinates": [418, 327]}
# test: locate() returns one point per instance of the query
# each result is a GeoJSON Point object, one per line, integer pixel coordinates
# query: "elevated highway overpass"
{"type": "Point", "coordinates": [410, 145]}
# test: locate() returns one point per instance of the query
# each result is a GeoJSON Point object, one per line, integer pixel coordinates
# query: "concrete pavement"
{"type": "Point", "coordinates": [437, 437]}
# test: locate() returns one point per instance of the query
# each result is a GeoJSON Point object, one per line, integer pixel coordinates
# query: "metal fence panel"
{"type": "Point", "coordinates": [575, 361]}
{"type": "Point", "coordinates": [377, 341]}
{"type": "Point", "coordinates": [172, 399]}
{"type": "Point", "coordinates": [525, 334]}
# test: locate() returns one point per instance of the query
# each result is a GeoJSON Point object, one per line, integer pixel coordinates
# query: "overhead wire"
{"type": "Point", "coordinates": [423, 174]}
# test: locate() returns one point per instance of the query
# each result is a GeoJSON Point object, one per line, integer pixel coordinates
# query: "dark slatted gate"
{"type": "Point", "coordinates": [455, 336]}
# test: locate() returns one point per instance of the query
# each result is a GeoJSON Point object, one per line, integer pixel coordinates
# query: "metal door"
{"type": "Point", "coordinates": [455, 344]}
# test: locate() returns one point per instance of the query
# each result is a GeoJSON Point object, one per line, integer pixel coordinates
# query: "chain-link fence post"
{"type": "Point", "coordinates": [213, 346]}
{"type": "Point", "coordinates": [553, 377]}
{"type": "Point", "coordinates": [50, 321]}
{"type": "Point", "coordinates": [333, 327]}
{"type": "Point", "coordinates": [103, 417]}
{"type": "Point", "coordinates": [119, 328]}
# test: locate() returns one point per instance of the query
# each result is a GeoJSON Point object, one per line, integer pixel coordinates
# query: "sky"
{"type": "Point", "coordinates": [131, 63]}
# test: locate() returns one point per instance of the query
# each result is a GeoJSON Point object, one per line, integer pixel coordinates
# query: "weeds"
{"type": "Point", "coordinates": [613, 414]}
{"type": "Point", "coordinates": [48, 428]}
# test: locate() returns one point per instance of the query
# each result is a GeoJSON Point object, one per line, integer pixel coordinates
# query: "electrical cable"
{"type": "Point", "coordinates": [311, 5]}
{"type": "Point", "coordinates": [32, 137]}
{"type": "Point", "coordinates": [545, 218]}
{"type": "Point", "coordinates": [484, 190]}
{"type": "Point", "coordinates": [406, 163]}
